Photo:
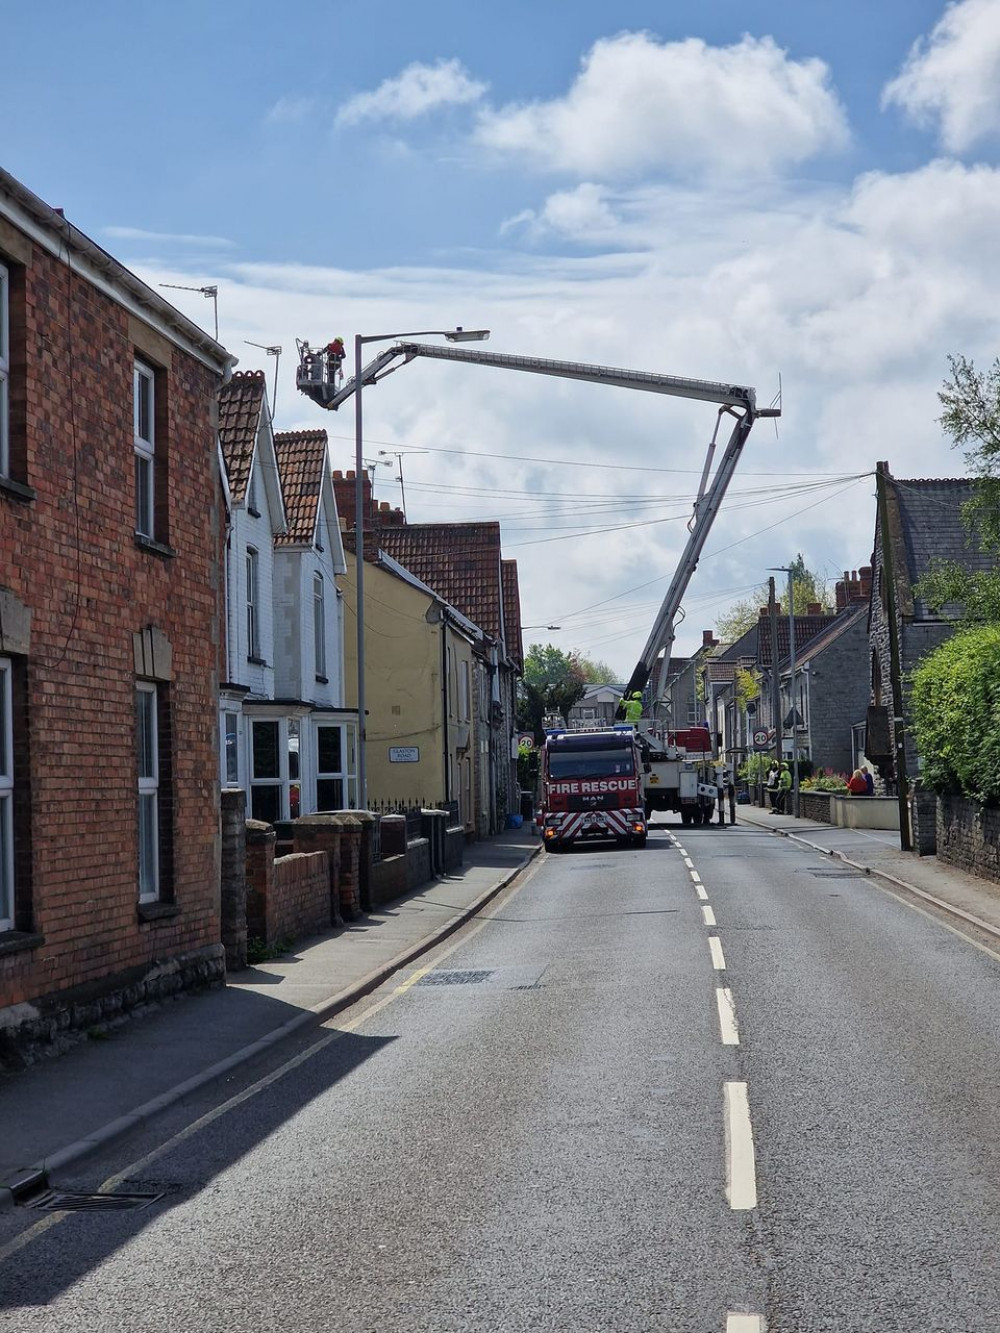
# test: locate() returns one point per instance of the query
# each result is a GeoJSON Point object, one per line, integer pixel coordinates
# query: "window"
{"type": "Point", "coordinates": [4, 372]}
{"type": "Point", "coordinates": [144, 435]}
{"type": "Point", "coordinates": [319, 627]}
{"type": "Point", "coordinates": [6, 798]}
{"type": "Point", "coordinates": [231, 749]}
{"type": "Point", "coordinates": [147, 745]}
{"type": "Point", "coordinates": [253, 612]}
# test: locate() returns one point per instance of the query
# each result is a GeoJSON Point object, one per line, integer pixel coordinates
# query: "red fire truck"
{"type": "Point", "coordinates": [592, 788]}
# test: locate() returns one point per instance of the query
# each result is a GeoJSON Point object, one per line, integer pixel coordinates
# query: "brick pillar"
{"type": "Point", "coordinates": [370, 853]}
{"type": "Point", "coordinates": [260, 840]}
{"type": "Point", "coordinates": [350, 866]}
{"type": "Point", "coordinates": [322, 833]}
{"type": "Point", "coordinates": [234, 879]}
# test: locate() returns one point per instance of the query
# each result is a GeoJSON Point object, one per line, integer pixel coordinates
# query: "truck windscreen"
{"type": "Point", "coordinates": [602, 764]}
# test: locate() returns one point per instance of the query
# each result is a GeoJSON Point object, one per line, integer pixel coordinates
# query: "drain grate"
{"type": "Point", "coordinates": [58, 1201]}
{"type": "Point", "coordinates": [456, 978]}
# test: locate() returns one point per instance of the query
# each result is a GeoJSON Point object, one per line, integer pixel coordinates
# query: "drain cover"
{"type": "Point", "coordinates": [57, 1201]}
{"type": "Point", "coordinates": [456, 978]}
{"type": "Point", "coordinates": [835, 874]}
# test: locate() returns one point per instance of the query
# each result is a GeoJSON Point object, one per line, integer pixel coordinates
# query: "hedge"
{"type": "Point", "coordinates": [955, 703]}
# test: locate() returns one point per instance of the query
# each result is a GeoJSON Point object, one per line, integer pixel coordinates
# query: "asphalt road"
{"type": "Point", "coordinates": [712, 1086]}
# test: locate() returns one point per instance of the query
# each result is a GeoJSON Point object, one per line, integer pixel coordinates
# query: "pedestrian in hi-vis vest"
{"type": "Point", "coordinates": [633, 708]}
{"type": "Point", "coordinates": [784, 789]}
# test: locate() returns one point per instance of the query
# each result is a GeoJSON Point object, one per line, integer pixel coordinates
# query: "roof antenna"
{"type": "Point", "coordinates": [211, 292]}
{"type": "Point", "coordinates": [274, 351]}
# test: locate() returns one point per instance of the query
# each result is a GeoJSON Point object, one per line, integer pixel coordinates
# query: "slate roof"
{"type": "Point", "coordinates": [240, 404]}
{"type": "Point", "coordinates": [302, 461]}
{"type": "Point", "coordinates": [806, 629]}
{"type": "Point", "coordinates": [512, 610]}
{"type": "Point", "coordinates": [460, 561]}
{"type": "Point", "coordinates": [661, 675]}
{"type": "Point", "coordinates": [932, 526]}
{"type": "Point", "coordinates": [840, 625]}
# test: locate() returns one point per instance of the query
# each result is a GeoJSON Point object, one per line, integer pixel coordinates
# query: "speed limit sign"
{"type": "Point", "coordinates": [760, 738]}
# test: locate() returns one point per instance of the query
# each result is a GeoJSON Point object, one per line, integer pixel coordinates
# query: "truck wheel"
{"type": "Point", "coordinates": [685, 817]}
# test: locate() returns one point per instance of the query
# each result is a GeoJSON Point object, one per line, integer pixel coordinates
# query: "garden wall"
{"type": "Point", "coordinates": [968, 836]}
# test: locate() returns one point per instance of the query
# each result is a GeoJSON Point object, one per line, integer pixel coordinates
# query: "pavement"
{"type": "Point", "coordinates": [61, 1109]}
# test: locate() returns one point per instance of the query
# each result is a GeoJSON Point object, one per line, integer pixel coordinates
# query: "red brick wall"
{"type": "Point", "coordinates": [71, 557]}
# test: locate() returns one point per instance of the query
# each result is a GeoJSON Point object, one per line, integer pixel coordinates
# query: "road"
{"type": "Point", "coordinates": [719, 1085]}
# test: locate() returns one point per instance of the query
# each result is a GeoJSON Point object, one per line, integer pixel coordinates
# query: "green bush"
{"type": "Point", "coordinates": [955, 703]}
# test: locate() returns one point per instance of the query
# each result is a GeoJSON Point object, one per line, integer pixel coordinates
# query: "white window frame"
{"type": "Point", "coordinates": [230, 727]}
{"type": "Point", "coordinates": [346, 775]}
{"type": "Point", "coordinates": [6, 797]}
{"type": "Point", "coordinates": [144, 444]}
{"type": "Point", "coordinates": [4, 371]}
{"type": "Point", "coordinates": [319, 626]}
{"type": "Point", "coordinates": [252, 597]}
{"type": "Point", "coordinates": [147, 725]}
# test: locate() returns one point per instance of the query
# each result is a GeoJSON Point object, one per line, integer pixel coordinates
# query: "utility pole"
{"type": "Point", "coordinates": [772, 609]}
{"type": "Point", "coordinates": [889, 605]}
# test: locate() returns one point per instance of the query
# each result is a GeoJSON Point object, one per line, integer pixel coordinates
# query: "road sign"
{"type": "Point", "coordinates": [761, 737]}
{"type": "Point", "coordinates": [525, 741]}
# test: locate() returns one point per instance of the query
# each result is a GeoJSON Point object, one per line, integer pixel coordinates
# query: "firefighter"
{"type": "Point", "coordinates": [335, 354]}
{"type": "Point", "coordinates": [633, 708]}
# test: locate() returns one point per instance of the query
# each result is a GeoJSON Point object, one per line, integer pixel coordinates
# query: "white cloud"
{"type": "Point", "coordinates": [291, 110]}
{"type": "Point", "coordinates": [583, 214]}
{"type": "Point", "coordinates": [952, 79]}
{"type": "Point", "coordinates": [640, 105]}
{"type": "Point", "coordinates": [415, 92]}
{"type": "Point", "coordinates": [172, 238]}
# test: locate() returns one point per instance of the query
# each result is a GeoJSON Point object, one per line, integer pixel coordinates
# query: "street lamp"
{"type": "Point", "coordinates": [457, 335]}
{"type": "Point", "coordinates": [784, 569]}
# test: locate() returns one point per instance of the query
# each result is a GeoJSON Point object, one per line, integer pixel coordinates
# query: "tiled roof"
{"type": "Point", "coordinates": [806, 629]}
{"type": "Point", "coordinates": [460, 561]}
{"type": "Point", "coordinates": [932, 526]}
{"type": "Point", "coordinates": [302, 461]}
{"type": "Point", "coordinates": [512, 610]}
{"type": "Point", "coordinates": [840, 625]}
{"type": "Point", "coordinates": [240, 405]}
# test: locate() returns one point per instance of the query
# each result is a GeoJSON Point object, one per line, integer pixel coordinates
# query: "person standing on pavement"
{"type": "Point", "coordinates": [869, 778]}
{"type": "Point", "coordinates": [772, 786]}
{"type": "Point", "coordinates": [784, 787]}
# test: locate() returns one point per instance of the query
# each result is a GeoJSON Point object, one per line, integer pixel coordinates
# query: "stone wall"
{"type": "Point", "coordinates": [968, 836]}
{"type": "Point", "coordinates": [815, 805]}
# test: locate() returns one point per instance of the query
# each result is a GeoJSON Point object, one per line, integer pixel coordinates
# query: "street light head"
{"type": "Point", "coordinates": [461, 335]}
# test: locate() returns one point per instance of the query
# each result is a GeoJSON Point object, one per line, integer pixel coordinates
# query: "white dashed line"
{"type": "Point", "coordinates": [741, 1172]}
{"type": "Point", "coordinates": [695, 877]}
{"type": "Point", "coordinates": [709, 916]}
{"type": "Point", "coordinates": [718, 962]}
{"type": "Point", "coordinates": [727, 1016]}
{"type": "Point", "coordinates": [745, 1323]}
{"type": "Point", "coordinates": [700, 891]}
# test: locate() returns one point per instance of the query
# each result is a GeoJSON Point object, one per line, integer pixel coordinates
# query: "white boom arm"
{"type": "Point", "coordinates": [314, 380]}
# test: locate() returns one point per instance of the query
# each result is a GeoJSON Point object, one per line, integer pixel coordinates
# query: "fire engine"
{"type": "Point", "coordinates": [592, 788]}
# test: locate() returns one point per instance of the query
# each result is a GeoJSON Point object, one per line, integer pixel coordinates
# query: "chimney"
{"type": "Point", "coordinates": [345, 494]}
{"type": "Point", "coordinates": [708, 639]}
{"type": "Point", "coordinates": [840, 593]}
{"type": "Point", "coordinates": [814, 609]}
{"type": "Point", "coordinates": [387, 517]}
{"type": "Point", "coordinates": [865, 575]}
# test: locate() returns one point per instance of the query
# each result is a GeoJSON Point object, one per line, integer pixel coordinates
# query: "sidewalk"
{"type": "Point", "coordinates": [877, 852]}
{"type": "Point", "coordinates": [63, 1108]}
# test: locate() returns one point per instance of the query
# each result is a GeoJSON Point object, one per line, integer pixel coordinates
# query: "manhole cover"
{"type": "Point", "coordinates": [57, 1201]}
{"type": "Point", "coordinates": [456, 978]}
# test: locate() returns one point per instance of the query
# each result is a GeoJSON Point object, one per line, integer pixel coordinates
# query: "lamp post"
{"type": "Point", "coordinates": [360, 340]}
{"type": "Point", "coordinates": [784, 569]}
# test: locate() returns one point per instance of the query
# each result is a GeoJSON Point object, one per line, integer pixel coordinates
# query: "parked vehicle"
{"type": "Point", "coordinates": [681, 773]}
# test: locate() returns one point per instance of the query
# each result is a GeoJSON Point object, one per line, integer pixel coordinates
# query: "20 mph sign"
{"type": "Point", "coordinates": [760, 738]}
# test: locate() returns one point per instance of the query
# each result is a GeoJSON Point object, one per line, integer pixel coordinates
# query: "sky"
{"type": "Point", "coordinates": [801, 198]}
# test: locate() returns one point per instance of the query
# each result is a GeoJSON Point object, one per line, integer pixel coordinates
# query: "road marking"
{"type": "Point", "coordinates": [715, 944]}
{"type": "Point", "coordinates": [695, 876]}
{"type": "Point", "coordinates": [741, 1174]}
{"type": "Point", "coordinates": [700, 891]}
{"type": "Point", "coordinates": [709, 916]}
{"type": "Point", "coordinates": [745, 1323]}
{"type": "Point", "coordinates": [727, 1016]}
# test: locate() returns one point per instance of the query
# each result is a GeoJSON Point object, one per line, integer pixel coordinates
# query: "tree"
{"type": "Point", "coordinates": [807, 589]}
{"type": "Point", "coordinates": [971, 416]}
{"type": "Point", "coordinates": [553, 682]}
{"type": "Point", "coordinates": [596, 672]}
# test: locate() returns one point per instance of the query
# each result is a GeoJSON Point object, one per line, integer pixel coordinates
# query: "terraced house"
{"type": "Point", "coordinates": [112, 521]}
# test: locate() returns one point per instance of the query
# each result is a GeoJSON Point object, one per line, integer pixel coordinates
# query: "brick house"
{"type": "Point", "coordinates": [112, 520]}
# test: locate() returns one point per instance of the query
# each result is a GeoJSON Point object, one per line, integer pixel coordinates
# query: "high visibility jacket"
{"type": "Point", "coordinates": [633, 710]}
{"type": "Point", "coordinates": [785, 781]}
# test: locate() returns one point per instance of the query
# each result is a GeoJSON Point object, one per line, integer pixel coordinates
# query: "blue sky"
{"type": "Point", "coordinates": [733, 191]}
